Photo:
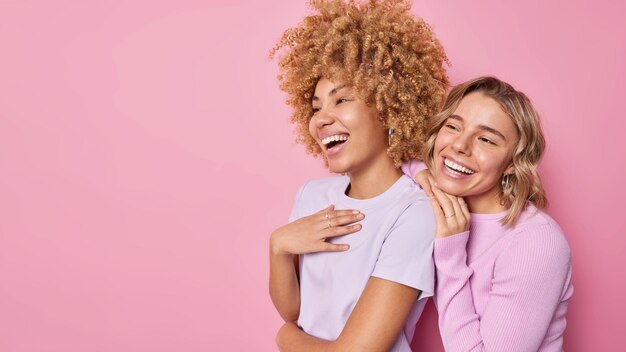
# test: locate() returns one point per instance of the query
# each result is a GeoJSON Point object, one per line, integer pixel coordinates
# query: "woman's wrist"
{"type": "Point", "coordinates": [450, 234]}
{"type": "Point", "coordinates": [276, 247]}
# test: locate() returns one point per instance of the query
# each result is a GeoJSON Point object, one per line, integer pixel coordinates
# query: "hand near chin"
{"type": "Point", "coordinates": [309, 234]}
{"type": "Point", "coordinates": [451, 213]}
{"type": "Point", "coordinates": [426, 181]}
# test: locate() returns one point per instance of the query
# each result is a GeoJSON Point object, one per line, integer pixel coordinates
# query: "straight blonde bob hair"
{"type": "Point", "coordinates": [524, 184]}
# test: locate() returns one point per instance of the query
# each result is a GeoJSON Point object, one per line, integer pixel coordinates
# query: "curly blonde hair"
{"type": "Point", "coordinates": [524, 184]}
{"type": "Point", "coordinates": [392, 59]}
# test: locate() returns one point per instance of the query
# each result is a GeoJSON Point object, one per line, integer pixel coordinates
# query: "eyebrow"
{"type": "Point", "coordinates": [331, 93]}
{"type": "Point", "coordinates": [482, 127]}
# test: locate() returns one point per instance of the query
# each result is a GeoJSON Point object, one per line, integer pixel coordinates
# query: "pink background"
{"type": "Point", "coordinates": [146, 155]}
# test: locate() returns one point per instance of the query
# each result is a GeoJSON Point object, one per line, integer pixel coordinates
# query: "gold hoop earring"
{"type": "Point", "coordinates": [505, 183]}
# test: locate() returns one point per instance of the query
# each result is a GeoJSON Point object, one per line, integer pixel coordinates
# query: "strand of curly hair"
{"type": "Point", "coordinates": [392, 59]}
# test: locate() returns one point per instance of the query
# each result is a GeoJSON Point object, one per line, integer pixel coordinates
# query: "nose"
{"type": "Point", "coordinates": [461, 144]}
{"type": "Point", "coordinates": [322, 118]}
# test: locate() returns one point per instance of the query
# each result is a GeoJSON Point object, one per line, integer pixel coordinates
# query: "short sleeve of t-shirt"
{"type": "Point", "coordinates": [406, 254]}
{"type": "Point", "coordinates": [295, 210]}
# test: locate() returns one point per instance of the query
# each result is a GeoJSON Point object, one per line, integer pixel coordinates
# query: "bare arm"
{"type": "Point", "coordinates": [403, 268]}
{"type": "Point", "coordinates": [374, 325]}
{"type": "Point", "coordinates": [284, 285]}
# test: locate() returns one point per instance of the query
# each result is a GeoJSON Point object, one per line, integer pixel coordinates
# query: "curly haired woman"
{"type": "Point", "coordinates": [352, 268]}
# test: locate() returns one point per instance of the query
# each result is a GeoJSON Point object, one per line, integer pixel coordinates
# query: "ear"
{"type": "Point", "coordinates": [509, 170]}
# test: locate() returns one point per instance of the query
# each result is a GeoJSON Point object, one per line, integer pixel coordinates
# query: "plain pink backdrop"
{"type": "Point", "coordinates": [146, 155]}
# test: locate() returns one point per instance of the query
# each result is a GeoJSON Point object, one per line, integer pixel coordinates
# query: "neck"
{"type": "Point", "coordinates": [374, 180]}
{"type": "Point", "coordinates": [486, 203]}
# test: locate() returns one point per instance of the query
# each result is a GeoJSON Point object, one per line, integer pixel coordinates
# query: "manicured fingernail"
{"type": "Point", "coordinates": [355, 212]}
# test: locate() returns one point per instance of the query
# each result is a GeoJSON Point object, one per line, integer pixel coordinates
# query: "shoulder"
{"type": "Point", "coordinates": [417, 211]}
{"type": "Point", "coordinates": [535, 231]}
{"type": "Point", "coordinates": [411, 193]}
{"type": "Point", "coordinates": [537, 254]}
{"type": "Point", "coordinates": [536, 223]}
{"type": "Point", "coordinates": [412, 199]}
{"type": "Point", "coordinates": [316, 194]}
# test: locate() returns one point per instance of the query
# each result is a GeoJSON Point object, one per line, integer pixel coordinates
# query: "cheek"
{"type": "Point", "coordinates": [377, 133]}
{"type": "Point", "coordinates": [492, 163]}
{"type": "Point", "coordinates": [368, 125]}
{"type": "Point", "coordinates": [442, 140]}
{"type": "Point", "coordinates": [312, 128]}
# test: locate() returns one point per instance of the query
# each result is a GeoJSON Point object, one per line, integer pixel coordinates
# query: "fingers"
{"type": "Point", "coordinates": [332, 213]}
{"type": "Point", "coordinates": [346, 219]}
{"type": "Point", "coordinates": [339, 213]}
{"type": "Point", "coordinates": [425, 180]}
{"type": "Point", "coordinates": [332, 247]}
{"type": "Point", "coordinates": [326, 246]}
{"type": "Point", "coordinates": [333, 223]}
{"type": "Point", "coordinates": [461, 211]}
{"type": "Point", "coordinates": [332, 218]}
{"type": "Point", "coordinates": [464, 208]}
{"type": "Point", "coordinates": [431, 181]}
{"type": "Point", "coordinates": [340, 230]}
{"type": "Point", "coordinates": [440, 217]}
{"type": "Point", "coordinates": [464, 216]}
{"type": "Point", "coordinates": [451, 213]}
{"type": "Point", "coordinates": [444, 202]}
{"type": "Point", "coordinates": [456, 206]}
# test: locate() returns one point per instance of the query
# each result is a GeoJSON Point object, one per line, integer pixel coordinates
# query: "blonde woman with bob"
{"type": "Point", "coordinates": [503, 265]}
{"type": "Point", "coordinates": [353, 267]}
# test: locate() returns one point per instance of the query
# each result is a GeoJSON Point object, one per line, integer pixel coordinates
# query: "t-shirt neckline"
{"type": "Point", "coordinates": [389, 195]}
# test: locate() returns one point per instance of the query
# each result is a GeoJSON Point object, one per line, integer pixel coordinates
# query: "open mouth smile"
{"type": "Point", "coordinates": [457, 168]}
{"type": "Point", "coordinates": [334, 141]}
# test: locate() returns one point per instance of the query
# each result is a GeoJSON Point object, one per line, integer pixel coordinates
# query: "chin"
{"type": "Point", "coordinates": [337, 169]}
{"type": "Point", "coordinates": [451, 187]}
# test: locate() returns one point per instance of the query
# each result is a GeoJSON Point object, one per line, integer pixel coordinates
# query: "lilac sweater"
{"type": "Point", "coordinates": [503, 289]}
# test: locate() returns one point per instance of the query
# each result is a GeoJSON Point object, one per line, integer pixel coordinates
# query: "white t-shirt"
{"type": "Point", "coordinates": [395, 243]}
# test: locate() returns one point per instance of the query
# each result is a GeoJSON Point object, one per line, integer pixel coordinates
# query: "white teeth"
{"type": "Point", "coordinates": [335, 138]}
{"type": "Point", "coordinates": [457, 167]}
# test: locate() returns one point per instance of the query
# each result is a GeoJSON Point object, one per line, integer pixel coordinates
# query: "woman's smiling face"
{"type": "Point", "coordinates": [348, 131]}
{"type": "Point", "coordinates": [473, 151]}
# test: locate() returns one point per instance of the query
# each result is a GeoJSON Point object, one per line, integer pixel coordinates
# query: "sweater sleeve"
{"type": "Point", "coordinates": [412, 167]}
{"type": "Point", "coordinates": [527, 285]}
